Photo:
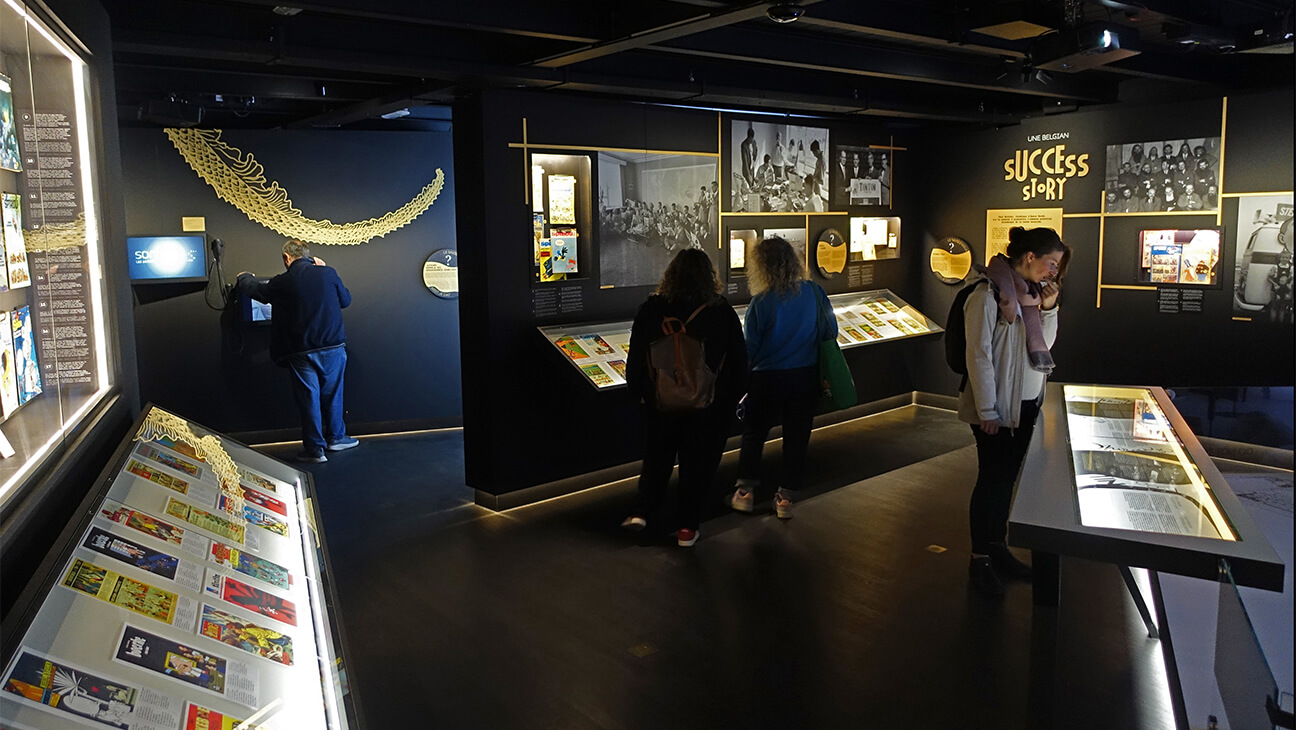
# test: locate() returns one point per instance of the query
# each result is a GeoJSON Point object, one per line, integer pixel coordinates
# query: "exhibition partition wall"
{"type": "Point", "coordinates": [206, 355]}
{"type": "Point", "coordinates": [1182, 269]}
{"type": "Point", "coordinates": [67, 378]}
{"type": "Point", "coordinates": [570, 209]}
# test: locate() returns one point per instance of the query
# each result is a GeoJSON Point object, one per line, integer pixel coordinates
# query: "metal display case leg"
{"type": "Point", "coordinates": [1139, 603]}
{"type": "Point", "coordinates": [1046, 582]}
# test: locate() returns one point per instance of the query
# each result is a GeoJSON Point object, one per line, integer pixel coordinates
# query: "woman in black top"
{"type": "Point", "coordinates": [689, 288]}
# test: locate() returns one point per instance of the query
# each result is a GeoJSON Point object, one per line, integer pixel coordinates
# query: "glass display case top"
{"type": "Point", "coordinates": [1131, 469]}
{"type": "Point", "coordinates": [599, 349]}
{"type": "Point", "coordinates": [193, 596]}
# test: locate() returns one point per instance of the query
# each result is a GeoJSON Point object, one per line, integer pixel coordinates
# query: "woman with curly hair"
{"type": "Point", "coordinates": [689, 293]}
{"type": "Point", "coordinates": [784, 327]}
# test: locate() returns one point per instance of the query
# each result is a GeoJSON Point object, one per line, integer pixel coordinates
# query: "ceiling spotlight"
{"type": "Point", "coordinates": [784, 12]}
{"type": "Point", "coordinates": [285, 10]}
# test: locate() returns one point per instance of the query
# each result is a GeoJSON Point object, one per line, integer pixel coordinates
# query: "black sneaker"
{"type": "Point", "coordinates": [1007, 564]}
{"type": "Point", "coordinates": [983, 577]}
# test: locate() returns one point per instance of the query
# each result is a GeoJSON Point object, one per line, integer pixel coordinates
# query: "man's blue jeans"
{"type": "Point", "coordinates": [317, 388]}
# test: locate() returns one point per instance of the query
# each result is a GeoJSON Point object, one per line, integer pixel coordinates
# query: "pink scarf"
{"type": "Point", "coordinates": [1014, 293]}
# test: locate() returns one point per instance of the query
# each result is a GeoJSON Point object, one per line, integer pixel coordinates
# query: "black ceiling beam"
{"type": "Point", "coordinates": [895, 22]}
{"type": "Point", "coordinates": [818, 55]}
{"type": "Point", "coordinates": [661, 34]}
{"type": "Point", "coordinates": [171, 78]}
{"type": "Point", "coordinates": [368, 108]}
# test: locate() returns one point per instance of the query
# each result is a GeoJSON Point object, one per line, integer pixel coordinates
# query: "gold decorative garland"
{"type": "Point", "coordinates": [57, 236]}
{"type": "Point", "coordinates": [239, 180]}
{"type": "Point", "coordinates": [159, 424]}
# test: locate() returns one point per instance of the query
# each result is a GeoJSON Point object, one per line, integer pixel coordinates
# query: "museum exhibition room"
{"type": "Point", "coordinates": [348, 348]}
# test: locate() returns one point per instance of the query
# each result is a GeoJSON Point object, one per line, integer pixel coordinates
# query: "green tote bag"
{"type": "Point", "coordinates": [834, 373]}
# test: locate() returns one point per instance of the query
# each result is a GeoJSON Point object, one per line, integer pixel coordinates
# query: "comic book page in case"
{"type": "Point", "coordinates": [250, 565]}
{"type": "Point", "coordinates": [254, 516]}
{"type": "Point", "coordinates": [146, 524]}
{"type": "Point", "coordinates": [136, 596]}
{"type": "Point", "coordinates": [215, 524]}
{"type": "Point", "coordinates": [14, 244]}
{"type": "Point", "coordinates": [245, 635]}
{"type": "Point", "coordinates": [28, 365]}
{"type": "Point", "coordinates": [244, 596]}
{"type": "Point", "coordinates": [199, 491]}
{"type": "Point", "coordinates": [8, 372]}
{"type": "Point", "coordinates": [197, 717]}
{"type": "Point", "coordinates": [81, 698]}
{"type": "Point", "coordinates": [264, 501]}
{"type": "Point", "coordinates": [185, 573]}
{"type": "Point", "coordinates": [188, 467]}
{"type": "Point", "coordinates": [235, 680]}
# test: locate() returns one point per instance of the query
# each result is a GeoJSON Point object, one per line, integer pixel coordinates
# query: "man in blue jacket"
{"type": "Point", "coordinates": [307, 337]}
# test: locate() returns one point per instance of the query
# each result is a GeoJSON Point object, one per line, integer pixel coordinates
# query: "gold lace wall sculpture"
{"type": "Point", "coordinates": [160, 424]}
{"type": "Point", "coordinates": [57, 236]}
{"type": "Point", "coordinates": [239, 180]}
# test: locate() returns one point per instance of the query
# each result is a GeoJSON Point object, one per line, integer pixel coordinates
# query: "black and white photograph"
{"type": "Point", "coordinates": [650, 206]}
{"type": "Point", "coordinates": [795, 236]}
{"type": "Point", "coordinates": [780, 168]}
{"type": "Point", "coordinates": [1262, 283]}
{"type": "Point", "coordinates": [860, 176]}
{"type": "Point", "coordinates": [1163, 176]}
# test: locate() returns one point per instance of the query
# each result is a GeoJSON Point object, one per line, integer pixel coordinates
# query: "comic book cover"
{"type": "Point", "coordinates": [8, 372]}
{"type": "Point", "coordinates": [175, 484]}
{"type": "Point", "coordinates": [257, 480]}
{"type": "Point", "coordinates": [854, 334]}
{"type": "Point", "coordinates": [70, 692]}
{"type": "Point", "coordinates": [619, 366]}
{"type": "Point", "coordinates": [25, 359]}
{"type": "Point", "coordinates": [842, 339]}
{"type": "Point", "coordinates": [252, 599]}
{"type": "Point", "coordinates": [153, 453]}
{"type": "Point", "coordinates": [571, 349]}
{"type": "Point", "coordinates": [131, 553]}
{"type": "Point", "coordinates": [243, 634]}
{"type": "Point", "coordinates": [198, 717]}
{"type": "Point", "coordinates": [596, 345]}
{"type": "Point", "coordinates": [619, 339]}
{"type": "Point", "coordinates": [146, 524]}
{"type": "Point", "coordinates": [180, 447]}
{"type": "Point", "coordinates": [596, 374]}
{"type": "Point", "coordinates": [205, 520]}
{"type": "Point", "coordinates": [15, 246]}
{"type": "Point", "coordinates": [121, 591]}
{"type": "Point", "coordinates": [563, 251]}
{"type": "Point", "coordinates": [250, 565]}
{"type": "Point", "coordinates": [264, 501]}
{"type": "Point", "coordinates": [172, 659]}
{"type": "Point", "coordinates": [253, 516]}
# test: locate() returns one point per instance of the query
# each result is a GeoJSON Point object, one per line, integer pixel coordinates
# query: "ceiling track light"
{"type": "Point", "coordinates": [784, 12]}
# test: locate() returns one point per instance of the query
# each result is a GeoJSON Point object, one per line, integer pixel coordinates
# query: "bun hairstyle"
{"type": "Point", "coordinates": [1039, 241]}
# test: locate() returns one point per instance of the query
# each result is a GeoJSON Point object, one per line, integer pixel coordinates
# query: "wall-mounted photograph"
{"type": "Point", "coordinates": [651, 205]}
{"type": "Point", "coordinates": [860, 176]}
{"type": "Point", "coordinates": [779, 168]}
{"type": "Point", "coordinates": [1262, 282]}
{"type": "Point", "coordinates": [1163, 176]}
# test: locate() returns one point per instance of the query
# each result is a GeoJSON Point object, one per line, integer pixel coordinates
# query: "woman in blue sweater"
{"type": "Point", "coordinates": [783, 330]}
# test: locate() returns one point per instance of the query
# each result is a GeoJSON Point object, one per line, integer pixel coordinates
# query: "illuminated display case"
{"type": "Point", "coordinates": [193, 589]}
{"type": "Point", "coordinates": [599, 349]}
{"type": "Point", "coordinates": [54, 354]}
{"type": "Point", "coordinates": [1114, 474]}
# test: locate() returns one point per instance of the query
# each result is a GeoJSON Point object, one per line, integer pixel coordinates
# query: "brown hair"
{"type": "Point", "coordinates": [690, 277]}
{"type": "Point", "coordinates": [775, 268]}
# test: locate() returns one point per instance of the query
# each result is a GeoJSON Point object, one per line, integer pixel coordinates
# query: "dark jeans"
{"type": "Point", "coordinates": [999, 461]}
{"type": "Point", "coordinates": [697, 438]}
{"type": "Point", "coordinates": [779, 396]}
{"type": "Point", "coordinates": [317, 388]}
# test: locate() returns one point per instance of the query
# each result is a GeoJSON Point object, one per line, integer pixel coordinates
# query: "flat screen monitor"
{"type": "Point", "coordinates": [1184, 257]}
{"type": "Point", "coordinates": [255, 312]}
{"type": "Point", "coordinates": [167, 259]}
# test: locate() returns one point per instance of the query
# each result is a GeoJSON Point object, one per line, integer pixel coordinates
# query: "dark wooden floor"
{"type": "Point", "coordinates": [549, 616]}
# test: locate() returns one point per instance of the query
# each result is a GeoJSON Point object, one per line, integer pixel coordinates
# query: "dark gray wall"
{"type": "Point", "coordinates": [403, 343]}
{"type": "Point", "coordinates": [1126, 341]}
